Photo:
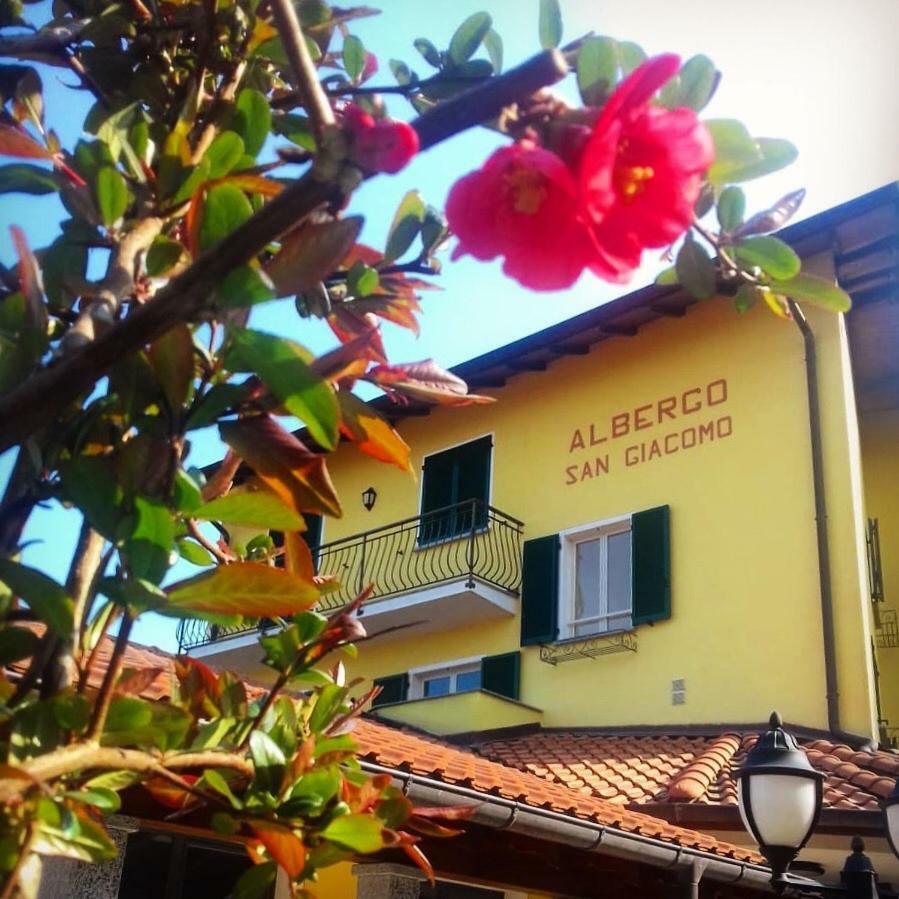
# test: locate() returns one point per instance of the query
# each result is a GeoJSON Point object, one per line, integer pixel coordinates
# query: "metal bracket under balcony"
{"type": "Point", "coordinates": [445, 569]}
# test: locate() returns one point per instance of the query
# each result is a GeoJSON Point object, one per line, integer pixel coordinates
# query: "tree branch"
{"type": "Point", "coordinates": [104, 697]}
{"type": "Point", "coordinates": [313, 96]}
{"type": "Point", "coordinates": [80, 757]}
{"type": "Point", "coordinates": [43, 397]}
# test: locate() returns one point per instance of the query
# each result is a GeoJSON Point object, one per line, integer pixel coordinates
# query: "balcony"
{"type": "Point", "coordinates": [436, 571]}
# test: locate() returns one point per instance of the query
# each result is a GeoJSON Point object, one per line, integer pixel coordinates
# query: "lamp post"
{"type": "Point", "coordinates": [780, 796]}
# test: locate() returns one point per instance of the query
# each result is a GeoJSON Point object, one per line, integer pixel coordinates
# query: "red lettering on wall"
{"type": "Point", "coordinates": [724, 426]}
{"type": "Point", "coordinates": [688, 408]}
{"type": "Point", "coordinates": [668, 445]}
{"type": "Point", "coordinates": [707, 432]}
{"type": "Point", "coordinates": [571, 475]}
{"type": "Point", "coordinates": [632, 455]}
{"type": "Point", "coordinates": [577, 441]}
{"type": "Point", "coordinates": [594, 440]}
{"type": "Point", "coordinates": [667, 407]}
{"type": "Point", "coordinates": [620, 424]}
{"type": "Point", "coordinates": [716, 392]}
{"type": "Point", "coordinates": [641, 420]}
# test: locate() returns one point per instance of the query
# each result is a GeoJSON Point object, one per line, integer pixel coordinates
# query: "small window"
{"type": "Point", "coordinates": [455, 491]}
{"type": "Point", "coordinates": [597, 583]}
{"type": "Point", "coordinates": [444, 681]}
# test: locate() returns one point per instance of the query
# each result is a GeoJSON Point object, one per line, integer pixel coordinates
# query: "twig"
{"type": "Point", "coordinates": [313, 95]}
{"type": "Point", "coordinates": [206, 543]}
{"type": "Point", "coordinates": [406, 89]}
{"type": "Point", "coordinates": [104, 697]}
{"type": "Point", "coordinates": [24, 854]}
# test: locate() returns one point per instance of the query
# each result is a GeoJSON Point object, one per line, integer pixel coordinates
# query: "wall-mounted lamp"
{"type": "Point", "coordinates": [368, 498]}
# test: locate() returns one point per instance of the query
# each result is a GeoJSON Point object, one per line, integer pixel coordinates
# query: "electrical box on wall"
{"type": "Point", "coordinates": [678, 691]}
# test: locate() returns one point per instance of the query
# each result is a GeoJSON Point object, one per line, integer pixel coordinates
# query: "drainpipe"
{"type": "Point", "coordinates": [506, 814]}
{"type": "Point", "coordinates": [814, 418]}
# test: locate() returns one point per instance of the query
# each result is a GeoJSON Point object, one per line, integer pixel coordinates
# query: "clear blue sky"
{"type": "Point", "coordinates": [821, 73]}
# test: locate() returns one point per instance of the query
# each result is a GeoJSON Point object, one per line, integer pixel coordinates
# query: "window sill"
{"type": "Point", "coordinates": [569, 649]}
{"type": "Point", "coordinates": [562, 641]}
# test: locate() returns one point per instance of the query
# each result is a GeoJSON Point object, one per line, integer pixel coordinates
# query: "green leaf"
{"type": "Point", "coordinates": [90, 483]}
{"type": "Point", "coordinates": [430, 53]}
{"type": "Point", "coordinates": [361, 833]}
{"type": "Point", "coordinates": [47, 599]}
{"type": "Point", "coordinates": [162, 255]}
{"type": "Point", "coordinates": [194, 553]}
{"type": "Point", "coordinates": [255, 882]}
{"type": "Point", "coordinates": [285, 368]}
{"type": "Point", "coordinates": [113, 196]}
{"type": "Point", "coordinates": [252, 119]}
{"type": "Point", "coordinates": [327, 705]}
{"type": "Point", "coordinates": [631, 55]}
{"type": "Point", "coordinates": [192, 178]}
{"type": "Point", "coordinates": [695, 84]}
{"type": "Point", "coordinates": [215, 781]}
{"type": "Point", "coordinates": [113, 780]}
{"type": "Point", "coordinates": [550, 24]}
{"type": "Point", "coordinates": [133, 721]}
{"type": "Point", "coordinates": [738, 157]}
{"type": "Point", "coordinates": [353, 57]}
{"type": "Point", "coordinates": [811, 289]}
{"type": "Point", "coordinates": [256, 509]}
{"type": "Point", "coordinates": [245, 286]}
{"type": "Point", "coordinates": [221, 398]}
{"type": "Point", "coordinates": [224, 153]}
{"type": "Point", "coordinates": [27, 179]}
{"type": "Point", "coordinates": [731, 208]}
{"type": "Point", "coordinates": [72, 711]}
{"type": "Point", "coordinates": [314, 790]}
{"type": "Point", "coordinates": [695, 269]}
{"type": "Point", "coordinates": [225, 208]}
{"type": "Point", "coordinates": [597, 69]}
{"type": "Point", "coordinates": [468, 37]}
{"type": "Point", "coordinates": [16, 643]}
{"type": "Point", "coordinates": [405, 225]}
{"type": "Point", "coordinates": [362, 279]}
{"type": "Point", "coordinates": [773, 217]}
{"type": "Point", "coordinates": [106, 800]}
{"type": "Point", "coordinates": [150, 544]}
{"type": "Point", "coordinates": [186, 492]}
{"type": "Point", "coordinates": [493, 44]}
{"type": "Point", "coordinates": [667, 277]}
{"type": "Point", "coordinates": [268, 760]}
{"type": "Point", "coordinates": [772, 256]}
{"type": "Point", "coordinates": [244, 588]}
{"type": "Point", "coordinates": [401, 71]}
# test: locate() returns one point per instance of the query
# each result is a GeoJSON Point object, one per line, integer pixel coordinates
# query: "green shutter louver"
{"type": "Point", "coordinates": [394, 688]}
{"type": "Point", "coordinates": [501, 674]}
{"type": "Point", "coordinates": [540, 590]}
{"type": "Point", "coordinates": [651, 565]}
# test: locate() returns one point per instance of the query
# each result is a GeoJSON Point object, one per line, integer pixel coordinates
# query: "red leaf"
{"type": "Point", "coordinates": [349, 360]}
{"type": "Point", "coordinates": [349, 326]}
{"type": "Point", "coordinates": [278, 458]}
{"type": "Point", "coordinates": [407, 843]}
{"type": "Point", "coordinates": [298, 556]}
{"type": "Point", "coordinates": [135, 681]}
{"type": "Point", "coordinates": [15, 142]}
{"type": "Point", "coordinates": [282, 844]}
{"type": "Point", "coordinates": [311, 253]}
{"type": "Point", "coordinates": [426, 381]}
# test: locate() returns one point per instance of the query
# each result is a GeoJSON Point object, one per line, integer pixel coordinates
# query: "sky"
{"type": "Point", "coordinates": [821, 73]}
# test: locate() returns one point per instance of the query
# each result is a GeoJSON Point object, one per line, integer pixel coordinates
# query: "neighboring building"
{"type": "Point", "coordinates": [675, 519]}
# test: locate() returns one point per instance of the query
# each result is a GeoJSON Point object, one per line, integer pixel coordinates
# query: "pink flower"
{"type": "Point", "coordinates": [379, 145]}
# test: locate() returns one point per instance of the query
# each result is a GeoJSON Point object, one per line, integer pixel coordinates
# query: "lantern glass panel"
{"type": "Point", "coordinates": [783, 808]}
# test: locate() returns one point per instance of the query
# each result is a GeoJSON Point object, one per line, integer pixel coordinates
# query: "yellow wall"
{"type": "Point", "coordinates": [880, 440]}
{"type": "Point", "coordinates": [745, 630]}
{"type": "Point", "coordinates": [456, 713]}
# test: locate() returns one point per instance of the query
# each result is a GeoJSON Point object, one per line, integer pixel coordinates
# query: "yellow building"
{"type": "Point", "coordinates": [674, 519]}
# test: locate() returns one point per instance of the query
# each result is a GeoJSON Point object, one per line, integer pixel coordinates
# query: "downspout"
{"type": "Point", "coordinates": [507, 814]}
{"type": "Point", "coordinates": [827, 624]}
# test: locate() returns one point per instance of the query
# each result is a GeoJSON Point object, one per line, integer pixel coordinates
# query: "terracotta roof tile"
{"type": "Point", "coordinates": [634, 770]}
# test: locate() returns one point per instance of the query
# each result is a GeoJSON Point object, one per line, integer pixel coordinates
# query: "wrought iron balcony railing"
{"type": "Point", "coordinates": [469, 542]}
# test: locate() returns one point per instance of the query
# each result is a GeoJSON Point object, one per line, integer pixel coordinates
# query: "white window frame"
{"type": "Point", "coordinates": [570, 539]}
{"type": "Point", "coordinates": [418, 676]}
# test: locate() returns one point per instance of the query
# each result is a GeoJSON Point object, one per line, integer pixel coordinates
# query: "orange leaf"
{"type": "Point", "coordinates": [300, 478]}
{"type": "Point", "coordinates": [15, 142]}
{"type": "Point", "coordinates": [350, 326]}
{"type": "Point", "coordinates": [374, 436]}
{"type": "Point", "coordinates": [282, 844]}
{"type": "Point", "coordinates": [407, 842]}
{"type": "Point", "coordinates": [311, 253]}
{"type": "Point", "coordinates": [135, 681]}
{"type": "Point", "coordinates": [252, 184]}
{"type": "Point", "coordinates": [298, 556]}
{"type": "Point", "coordinates": [350, 359]}
{"type": "Point", "coordinates": [244, 588]}
{"type": "Point", "coordinates": [172, 358]}
{"type": "Point", "coordinates": [170, 795]}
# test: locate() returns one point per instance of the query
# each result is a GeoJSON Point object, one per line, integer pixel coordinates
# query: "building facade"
{"type": "Point", "coordinates": [675, 518]}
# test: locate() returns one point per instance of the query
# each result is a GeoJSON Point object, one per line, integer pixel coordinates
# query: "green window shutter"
{"type": "Point", "coordinates": [473, 461]}
{"type": "Point", "coordinates": [540, 590]}
{"type": "Point", "coordinates": [395, 688]}
{"type": "Point", "coordinates": [651, 565]}
{"type": "Point", "coordinates": [501, 674]}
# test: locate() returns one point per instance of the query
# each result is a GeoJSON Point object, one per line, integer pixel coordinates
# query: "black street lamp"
{"type": "Point", "coordinates": [780, 796]}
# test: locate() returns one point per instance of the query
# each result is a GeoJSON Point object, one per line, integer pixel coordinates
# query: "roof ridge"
{"type": "Point", "coordinates": [694, 780]}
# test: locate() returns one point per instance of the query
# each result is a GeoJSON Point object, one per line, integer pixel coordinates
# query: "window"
{"type": "Point", "coordinates": [596, 587]}
{"type": "Point", "coordinates": [601, 577]}
{"type": "Point", "coordinates": [458, 678]}
{"type": "Point", "coordinates": [455, 490]}
{"type": "Point", "coordinates": [499, 674]}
